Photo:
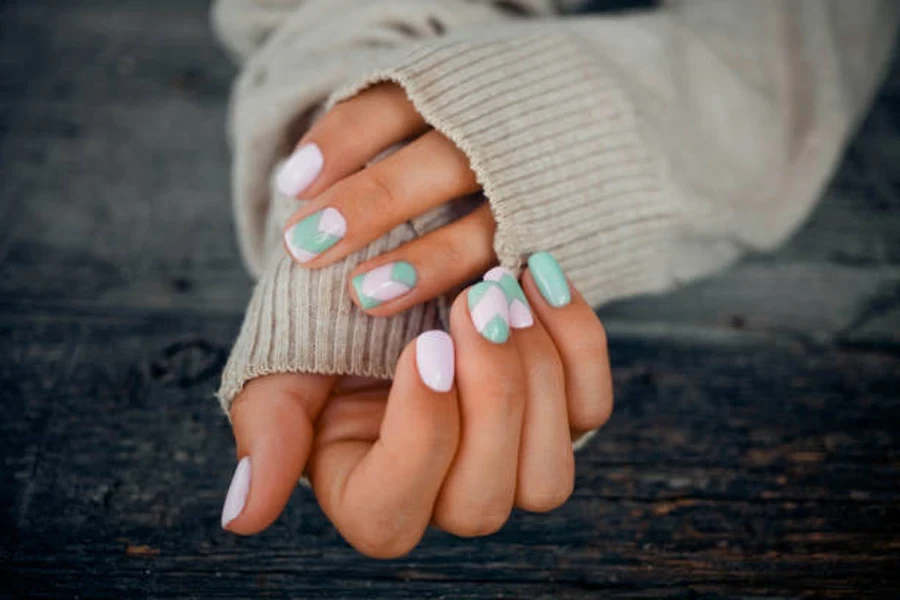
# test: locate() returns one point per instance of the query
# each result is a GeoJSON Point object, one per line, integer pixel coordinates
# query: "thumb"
{"type": "Point", "coordinates": [272, 419]}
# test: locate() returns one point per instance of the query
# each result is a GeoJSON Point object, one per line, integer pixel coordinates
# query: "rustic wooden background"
{"type": "Point", "coordinates": [754, 450]}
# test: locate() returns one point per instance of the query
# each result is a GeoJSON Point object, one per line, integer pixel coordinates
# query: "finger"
{"type": "Point", "coordinates": [579, 338]}
{"type": "Point", "coordinates": [427, 267]}
{"type": "Point", "coordinates": [479, 490]}
{"type": "Point", "coordinates": [348, 137]}
{"type": "Point", "coordinates": [272, 421]}
{"type": "Point", "coordinates": [363, 207]}
{"type": "Point", "coordinates": [546, 473]}
{"type": "Point", "coordinates": [379, 487]}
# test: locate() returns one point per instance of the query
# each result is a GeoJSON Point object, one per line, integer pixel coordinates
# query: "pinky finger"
{"type": "Point", "coordinates": [579, 337]}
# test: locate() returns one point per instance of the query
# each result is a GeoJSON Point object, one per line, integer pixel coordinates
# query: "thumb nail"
{"type": "Point", "coordinates": [237, 492]}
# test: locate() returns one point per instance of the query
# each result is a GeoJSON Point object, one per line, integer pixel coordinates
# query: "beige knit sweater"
{"type": "Point", "coordinates": [642, 150]}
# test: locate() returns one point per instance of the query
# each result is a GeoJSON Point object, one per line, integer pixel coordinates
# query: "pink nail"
{"type": "Point", "coordinates": [237, 492]}
{"type": "Point", "coordinates": [435, 360]}
{"type": "Point", "coordinates": [519, 310]}
{"type": "Point", "coordinates": [300, 170]}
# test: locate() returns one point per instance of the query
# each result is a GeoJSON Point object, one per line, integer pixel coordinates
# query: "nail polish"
{"type": "Point", "coordinates": [435, 360]}
{"type": "Point", "coordinates": [550, 279]}
{"type": "Point", "coordinates": [489, 311]}
{"type": "Point", "coordinates": [237, 492]}
{"type": "Point", "coordinates": [300, 170]}
{"type": "Point", "coordinates": [315, 234]}
{"type": "Point", "coordinates": [384, 283]}
{"type": "Point", "coordinates": [520, 316]}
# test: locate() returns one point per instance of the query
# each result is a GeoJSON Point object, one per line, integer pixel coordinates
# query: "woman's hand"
{"type": "Point", "coordinates": [355, 201]}
{"type": "Point", "coordinates": [473, 424]}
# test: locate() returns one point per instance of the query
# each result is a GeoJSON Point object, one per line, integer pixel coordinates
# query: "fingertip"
{"type": "Point", "coordinates": [238, 489]}
{"type": "Point", "coordinates": [273, 431]}
{"type": "Point", "coordinates": [435, 360]}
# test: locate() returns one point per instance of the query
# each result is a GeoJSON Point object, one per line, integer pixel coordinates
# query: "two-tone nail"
{"type": "Point", "coordinates": [550, 279]}
{"type": "Point", "coordinates": [315, 234]}
{"type": "Point", "coordinates": [385, 283]}
{"type": "Point", "coordinates": [520, 316]}
{"type": "Point", "coordinates": [489, 310]}
{"type": "Point", "coordinates": [300, 169]}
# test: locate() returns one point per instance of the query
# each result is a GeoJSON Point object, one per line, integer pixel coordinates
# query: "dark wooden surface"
{"type": "Point", "coordinates": [754, 450]}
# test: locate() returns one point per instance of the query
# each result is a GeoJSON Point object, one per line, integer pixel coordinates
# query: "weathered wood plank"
{"type": "Point", "coordinates": [753, 468]}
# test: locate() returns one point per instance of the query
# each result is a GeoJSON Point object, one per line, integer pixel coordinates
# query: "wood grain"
{"type": "Point", "coordinates": [754, 450]}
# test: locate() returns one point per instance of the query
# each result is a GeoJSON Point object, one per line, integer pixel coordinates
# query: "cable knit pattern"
{"type": "Point", "coordinates": [642, 150]}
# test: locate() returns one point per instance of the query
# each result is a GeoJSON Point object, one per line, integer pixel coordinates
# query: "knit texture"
{"type": "Point", "coordinates": [565, 170]}
{"type": "Point", "coordinates": [643, 151]}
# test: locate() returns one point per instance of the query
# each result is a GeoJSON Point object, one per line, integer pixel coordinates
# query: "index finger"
{"type": "Point", "coordinates": [347, 138]}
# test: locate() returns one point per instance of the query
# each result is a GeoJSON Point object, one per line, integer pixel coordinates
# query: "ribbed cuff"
{"type": "Point", "coordinates": [304, 321]}
{"type": "Point", "coordinates": [556, 146]}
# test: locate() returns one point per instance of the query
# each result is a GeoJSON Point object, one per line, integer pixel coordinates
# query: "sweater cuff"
{"type": "Point", "coordinates": [556, 146]}
{"type": "Point", "coordinates": [304, 321]}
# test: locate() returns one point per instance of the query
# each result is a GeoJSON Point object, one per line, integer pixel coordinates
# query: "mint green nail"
{"type": "Point", "coordinates": [550, 279]}
{"type": "Point", "coordinates": [315, 234]}
{"type": "Point", "coordinates": [489, 311]}
{"type": "Point", "coordinates": [520, 316]}
{"type": "Point", "coordinates": [384, 283]}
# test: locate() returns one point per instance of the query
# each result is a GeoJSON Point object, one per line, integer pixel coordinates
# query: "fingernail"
{"type": "Point", "coordinates": [384, 283]}
{"type": "Point", "coordinates": [237, 492]}
{"type": "Point", "coordinates": [315, 234]}
{"type": "Point", "coordinates": [435, 360]}
{"type": "Point", "coordinates": [299, 170]}
{"type": "Point", "coordinates": [550, 279]}
{"type": "Point", "coordinates": [489, 310]}
{"type": "Point", "coordinates": [519, 309]}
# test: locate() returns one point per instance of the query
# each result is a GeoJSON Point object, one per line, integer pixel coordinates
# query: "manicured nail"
{"type": "Point", "coordinates": [519, 309]}
{"type": "Point", "coordinates": [384, 283]}
{"type": "Point", "coordinates": [237, 492]}
{"type": "Point", "coordinates": [489, 310]}
{"type": "Point", "coordinates": [299, 170]}
{"type": "Point", "coordinates": [550, 279]}
{"type": "Point", "coordinates": [435, 360]}
{"type": "Point", "coordinates": [315, 234]}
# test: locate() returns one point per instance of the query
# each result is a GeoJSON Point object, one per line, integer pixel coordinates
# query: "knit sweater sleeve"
{"type": "Point", "coordinates": [293, 54]}
{"type": "Point", "coordinates": [647, 150]}
{"type": "Point", "coordinates": [642, 150]}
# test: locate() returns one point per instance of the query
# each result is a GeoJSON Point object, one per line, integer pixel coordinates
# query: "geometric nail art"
{"type": "Point", "coordinates": [315, 234]}
{"type": "Point", "coordinates": [519, 309]}
{"type": "Point", "coordinates": [490, 311]}
{"type": "Point", "coordinates": [384, 283]}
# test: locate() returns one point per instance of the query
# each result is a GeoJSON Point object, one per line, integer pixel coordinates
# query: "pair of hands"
{"type": "Point", "coordinates": [473, 423]}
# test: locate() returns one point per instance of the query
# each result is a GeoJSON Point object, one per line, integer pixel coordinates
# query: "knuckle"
{"type": "Point", "coordinates": [592, 413]}
{"type": "Point", "coordinates": [549, 494]}
{"type": "Point", "coordinates": [469, 525]}
{"type": "Point", "coordinates": [451, 251]}
{"type": "Point", "coordinates": [592, 343]}
{"type": "Point", "coordinates": [544, 500]}
{"type": "Point", "coordinates": [503, 396]}
{"type": "Point", "coordinates": [342, 122]}
{"type": "Point", "coordinates": [379, 539]}
{"type": "Point", "coordinates": [379, 192]}
{"type": "Point", "coordinates": [381, 189]}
